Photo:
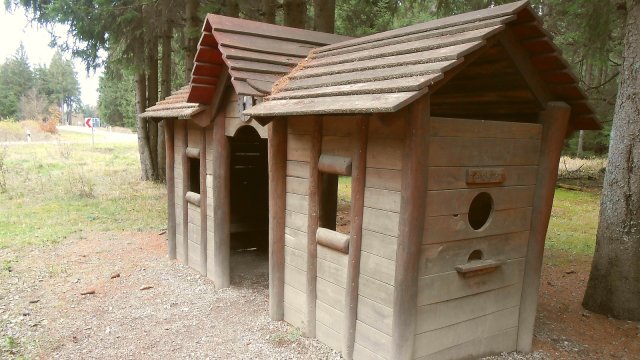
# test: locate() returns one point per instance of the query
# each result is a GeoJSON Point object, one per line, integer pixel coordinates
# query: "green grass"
{"type": "Point", "coordinates": [56, 190]}
{"type": "Point", "coordinates": [574, 222]}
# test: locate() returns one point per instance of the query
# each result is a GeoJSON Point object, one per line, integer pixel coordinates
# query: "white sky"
{"type": "Point", "coordinates": [15, 28]}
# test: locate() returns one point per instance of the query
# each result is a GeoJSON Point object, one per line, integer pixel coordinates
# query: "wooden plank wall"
{"type": "Point", "coordinates": [194, 137]}
{"type": "Point", "coordinates": [210, 208]}
{"type": "Point", "coordinates": [180, 146]}
{"type": "Point", "coordinates": [379, 238]}
{"type": "Point", "coordinates": [468, 317]}
{"type": "Point", "coordinates": [233, 120]}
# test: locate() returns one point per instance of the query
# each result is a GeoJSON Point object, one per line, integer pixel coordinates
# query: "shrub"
{"type": "Point", "coordinates": [11, 131]}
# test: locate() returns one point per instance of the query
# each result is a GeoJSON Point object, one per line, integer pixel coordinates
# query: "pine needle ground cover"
{"type": "Point", "coordinates": [54, 190]}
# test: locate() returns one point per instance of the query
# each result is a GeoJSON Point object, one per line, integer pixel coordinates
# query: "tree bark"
{"type": "Point", "coordinates": [269, 11]}
{"type": "Point", "coordinates": [614, 283]}
{"type": "Point", "coordinates": [143, 141]}
{"type": "Point", "coordinates": [295, 13]}
{"type": "Point", "coordinates": [230, 8]}
{"type": "Point", "coordinates": [324, 15]}
{"type": "Point", "coordinates": [152, 93]}
{"type": "Point", "coordinates": [165, 85]}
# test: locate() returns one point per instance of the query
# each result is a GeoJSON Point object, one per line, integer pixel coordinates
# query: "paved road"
{"type": "Point", "coordinates": [102, 135]}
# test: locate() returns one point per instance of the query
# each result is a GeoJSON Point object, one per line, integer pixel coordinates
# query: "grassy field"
{"type": "Point", "coordinates": [52, 191]}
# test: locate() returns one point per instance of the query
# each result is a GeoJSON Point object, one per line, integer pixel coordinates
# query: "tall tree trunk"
{"type": "Point", "coordinates": [588, 76]}
{"type": "Point", "coordinates": [192, 34]}
{"type": "Point", "coordinates": [324, 15]}
{"type": "Point", "coordinates": [230, 8]}
{"type": "Point", "coordinates": [269, 11]}
{"type": "Point", "coordinates": [146, 165]}
{"type": "Point", "coordinates": [152, 99]}
{"type": "Point", "coordinates": [295, 13]}
{"type": "Point", "coordinates": [614, 283]}
{"type": "Point", "coordinates": [165, 86]}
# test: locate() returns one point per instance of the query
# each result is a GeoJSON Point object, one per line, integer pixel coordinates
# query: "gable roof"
{"type": "Point", "coordinates": [386, 71]}
{"type": "Point", "coordinates": [255, 55]}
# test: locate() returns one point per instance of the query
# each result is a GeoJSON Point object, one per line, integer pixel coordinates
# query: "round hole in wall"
{"type": "Point", "coordinates": [475, 255]}
{"type": "Point", "coordinates": [480, 210]}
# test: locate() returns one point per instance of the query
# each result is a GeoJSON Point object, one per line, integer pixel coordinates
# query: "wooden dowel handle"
{"type": "Point", "coordinates": [332, 164]}
{"type": "Point", "coordinates": [193, 153]}
{"type": "Point", "coordinates": [193, 198]}
{"type": "Point", "coordinates": [333, 240]}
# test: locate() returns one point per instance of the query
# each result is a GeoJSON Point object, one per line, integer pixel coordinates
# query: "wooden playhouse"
{"type": "Point", "coordinates": [449, 134]}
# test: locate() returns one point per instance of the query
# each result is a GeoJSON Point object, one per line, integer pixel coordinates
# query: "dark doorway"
{"type": "Point", "coordinates": [249, 206]}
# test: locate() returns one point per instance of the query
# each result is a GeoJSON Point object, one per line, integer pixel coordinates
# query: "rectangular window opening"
{"type": "Point", "coordinates": [194, 175]}
{"type": "Point", "coordinates": [335, 204]}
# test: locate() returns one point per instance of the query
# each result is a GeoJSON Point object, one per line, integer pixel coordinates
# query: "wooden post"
{"type": "Point", "coordinates": [554, 120]}
{"type": "Point", "coordinates": [358, 177]}
{"type": "Point", "coordinates": [203, 203]}
{"type": "Point", "coordinates": [171, 186]}
{"type": "Point", "coordinates": [221, 208]}
{"type": "Point", "coordinates": [277, 196]}
{"type": "Point", "coordinates": [315, 197]}
{"type": "Point", "coordinates": [185, 190]}
{"type": "Point", "coordinates": [410, 229]}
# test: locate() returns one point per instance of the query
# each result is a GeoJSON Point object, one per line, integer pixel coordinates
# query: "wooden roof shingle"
{"type": "Point", "coordinates": [174, 106]}
{"type": "Point", "coordinates": [386, 71]}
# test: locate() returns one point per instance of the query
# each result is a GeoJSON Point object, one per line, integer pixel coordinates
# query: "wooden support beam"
{"type": "Point", "coordinates": [410, 229]}
{"type": "Point", "coordinates": [358, 177]}
{"type": "Point", "coordinates": [315, 197]}
{"type": "Point", "coordinates": [203, 203]}
{"type": "Point", "coordinates": [171, 186]}
{"type": "Point", "coordinates": [185, 190]}
{"type": "Point", "coordinates": [555, 120]}
{"type": "Point", "coordinates": [277, 198]}
{"type": "Point", "coordinates": [221, 210]}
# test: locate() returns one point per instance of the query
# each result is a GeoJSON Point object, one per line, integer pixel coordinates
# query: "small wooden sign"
{"type": "Point", "coordinates": [486, 176]}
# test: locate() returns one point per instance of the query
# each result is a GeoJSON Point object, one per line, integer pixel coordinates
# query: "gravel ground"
{"type": "Point", "coordinates": [141, 306]}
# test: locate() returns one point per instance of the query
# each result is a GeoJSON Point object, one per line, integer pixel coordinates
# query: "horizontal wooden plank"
{"type": "Point", "coordinates": [239, 54]}
{"type": "Point", "coordinates": [301, 124]}
{"type": "Point", "coordinates": [483, 129]}
{"type": "Point", "coordinates": [379, 244]}
{"type": "Point", "coordinates": [295, 258]}
{"type": "Point", "coordinates": [452, 151]}
{"type": "Point", "coordinates": [295, 239]}
{"type": "Point", "coordinates": [385, 153]}
{"type": "Point", "coordinates": [377, 268]}
{"type": "Point", "coordinates": [504, 341]}
{"type": "Point", "coordinates": [242, 88]}
{"type": "Point", "coordinates": [262, 44]}
{"type": "Point", "coordinates": [298, 147]}
{"type": "Point", "coordinates": [261, 86]}
{"type": "Point", "coordinates": [247, 75]}
{"type": "Point", "coordinates": [335, 257]}
{"type": "Point", "coordinates": [381, 221]}
{"type": "Point", "coordinates": [258, 66]}
{"type": "Point", "coordinates": [439, 229]}
{"type": "Point", "coordinates": [437, 340]}
{"type": "Point", "coordinates": [297, 185]}
{"type": "Point", "coordinates": [295, 277]}
{"type": "Point", "coordinates": [446, 313]}
{"type": "Point", "coordinates": [375, 290]}
{"type": "Point", "coordinates": [388, 125]}
{"type": "Point", "coordinates": [330, 294]}
{"type": "Point", "coordinates": [362, 353]}
{"type": "Point", "coordinates": [338, 146]}
{"type": "Point", "coordinates": [384, 179]}
{"type": "Point", "coordinates": [373, 339]}
{"type": "Point", "coordinates": [296, 221]}
{"type": "Point", "coordinates": [446, 178]}
{"type": "Point", "coordinates": [295, 298]}
{"type": "Point", "coordinates": [375, 315]}
{"type": "Point", "coordinates": [339, 125]}
{"type": "Point", "coordinates": [451, 202]}
{"type": "Point", "coordinates": [294, 316]}
{"type": "Point", "coordinates": [332, 273]}
{"type": "Point", "coordinates": [298, 169]}
{"type": "Point", "coordinates": [194, 254]}
{"type": "Point", "coordinates": [297, 203]}
{"type": "Point", "coordinates": [328, 336]}
{"type": "Point", "coordinates": [330, 317]}
{"type": "Point", "coordinates": [442, 287]}
{"type": "Point", "coordinates": [382, 199]}
{"type": "Point", "coordinates": [443, 257]}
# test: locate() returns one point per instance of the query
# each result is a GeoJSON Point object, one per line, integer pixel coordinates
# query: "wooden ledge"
{"type": "Point", "coordinates": [333, 240]}
{"type": "Point", "coordinates": [193, 153]}
{"type": "Point", "coordinates": [332, 164]}
{"type": "Point", "coordinates": [192, 198]}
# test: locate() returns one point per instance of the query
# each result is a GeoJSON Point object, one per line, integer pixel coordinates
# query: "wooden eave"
{"type": "Point", "coordinates": [174, 106]}
{"type": "Point", "coordinates": [386, 71]}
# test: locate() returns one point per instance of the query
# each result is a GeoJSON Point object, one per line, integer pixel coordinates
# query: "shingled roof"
{"type": "Point", "coordinates": [255, 54]}
{"type": "Point", "coordinates": [386, 71]}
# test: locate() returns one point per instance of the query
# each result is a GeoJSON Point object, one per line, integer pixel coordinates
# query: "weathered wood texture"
{"type": "Point", "coordinates": [415, 158]}
{"type": "Point", "coordinates": [203, 204]}
{"type": "Point", "coordinates": [210, 203]}
{"type": "Point", "coordinates": [222, 218]}
{"type": "Point", "coordinates": [333, 240]}
{"type": "Point", "coordinates": [234, 120]}
{"type": "Point", "coordinates": [184, 171]}
{"type": "Point", "coordinates": [554, 121]}
{"type": "Point", "coordinates": [313, 217]}
{"type": "Point", "coordinates": [171, 186]}
{"type": "Point", "coordinates": [277, 193]}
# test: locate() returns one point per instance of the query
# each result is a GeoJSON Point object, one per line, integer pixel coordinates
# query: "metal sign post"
{"type": "Point", "coordinates": [89, 123]}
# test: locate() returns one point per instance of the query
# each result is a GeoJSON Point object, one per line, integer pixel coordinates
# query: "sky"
{"type": "Point", "coordinates": [16, 28]}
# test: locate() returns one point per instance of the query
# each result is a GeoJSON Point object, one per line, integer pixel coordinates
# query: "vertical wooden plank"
{"type": "Point", "coordinates": [277, 199]}
{"type": "Point", "coordinates": [171, 186]}
{"type": "Point", "coordinates": [185, 189]}
{"type": "Point", "coordinates": [313, 219]}
{"type": "Point", "coordinates": [554, 120]}
{"type": "Point", "coordinates": [221, 212]}
{"type": "Point", "coordinates": [412, 207]}
{"type": "Point", "coordinates": [358, 177]}
{"type": "Point", "coordinates": [203, 202]}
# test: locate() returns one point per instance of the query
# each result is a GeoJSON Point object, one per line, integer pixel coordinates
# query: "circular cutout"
{"type": "Point", "coordinates": [475, 255]}
{"type": "Point", "coordinates": [480, 210]}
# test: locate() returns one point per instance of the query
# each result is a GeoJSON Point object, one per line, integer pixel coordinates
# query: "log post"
{"type": "Point", "coordinates": [277, 197]}
{"type": "Point", "coordinates": [203, 203]}
{"type": "Point", "coordinates": [358, 177]}
{"type": "Point", "coordinates": [185, 190]}
{"type": "Point", "coordinates": [554, 121]}
{"type": "Point", "coordinates": [314, 219]}
{"type": "Point", "coordinates": [171, 186]}
{"type": "Point", "coordinates": [410, 229]}
{"type": "Point", "coordinates": [221, 209]}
